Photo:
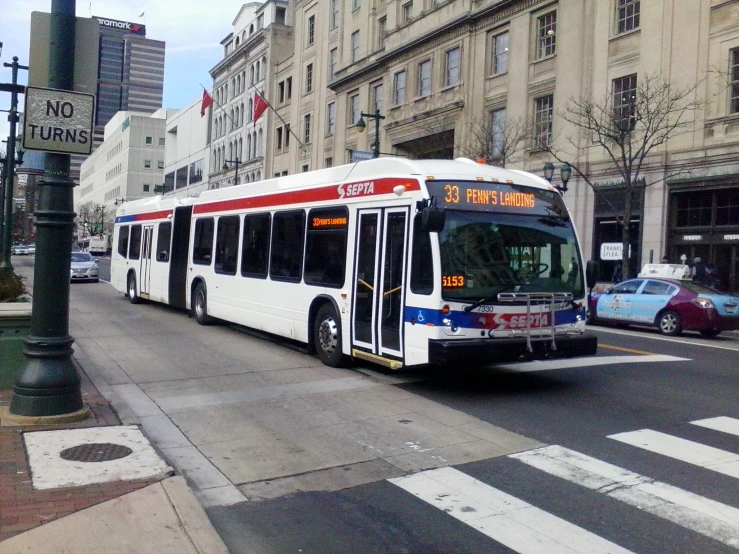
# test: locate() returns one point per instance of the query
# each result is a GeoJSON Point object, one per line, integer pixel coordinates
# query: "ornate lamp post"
{"type": "Point", "coordinates": [361, 126]}
{"type": "Point", "coordinates": [565, 172]}
{"type": "Point", "coordinates": [225, 170]}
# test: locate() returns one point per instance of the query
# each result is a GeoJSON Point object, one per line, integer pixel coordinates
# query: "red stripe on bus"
{"type": "Point", "coordinates": [341, 191]}
{"type": "Point", "coordinates": [153, 215]}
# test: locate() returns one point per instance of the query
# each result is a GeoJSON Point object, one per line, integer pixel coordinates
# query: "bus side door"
{"type": "Point", "coordinates": [145, 268]}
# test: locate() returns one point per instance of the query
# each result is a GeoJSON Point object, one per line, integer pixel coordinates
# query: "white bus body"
{"type": "Point", "coordinates": [338, 259]}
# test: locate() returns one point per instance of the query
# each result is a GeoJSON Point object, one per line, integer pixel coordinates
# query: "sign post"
{"type": "Point", "coordinates": [48, 386]}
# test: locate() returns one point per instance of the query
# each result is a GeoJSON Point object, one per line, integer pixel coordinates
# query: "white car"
{"type": "Point", "coordinates": [20, 250]}
{"type": "Point", "coordinates": [84, 267]}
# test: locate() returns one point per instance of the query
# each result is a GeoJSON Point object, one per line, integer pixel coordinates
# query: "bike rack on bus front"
{"type": "Point", "coordinates": [550, 299]}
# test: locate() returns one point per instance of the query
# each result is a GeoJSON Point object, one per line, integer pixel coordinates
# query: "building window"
{"type": "Point", "coordinates": [734, 73]}
{"type": "Point", "coordinates": [309, 78]}
{"type": "Point", "coordinates": [146, 188]}
{"type": "Point", "coordinates": [627, 15]}
{"type": "Point", "coordinates": [330, 118]}
{"type": "Point", "coordinates": [624, 96]}
{"type": "Point", "coordinates": [328, 162]}
{"type": "Point", "coordinates": [149, 140]}
{"type": "Point", "coordinates": [334, 19]}
{"type": "Point", "coordinates": [451, 71]}
{"type": "Point", "coordinates": [311, 29]}
{"type": "Point", "coordinates": [727, 207]}
{"type": "Point", "coordinates": [399, 88]}
{"type": "Point", "coordinates": [355, 46]}
{"type": "Point", "coordinates": [304, 168]}
{"type": "Point", "coordinates": [381, 32]}
{"type": "Point", "coordinates": [287, 135]}
{"type": "Point", "coordinates": [278, 135]}
{"type": "Point", "coordinates": [543, 114]}
{"type": "Point", "coordinates": [147, 164]}
{"type": "Point", "coordinates": [546, 35]}
{"type": "Point", "coordinates": [160, 165]}
{"type": "Point", "coordinates": [289, 85]}
{"type": "Point", "coordinates": [333, 61]}
{"type": "Point", "coordinates": [424, 78]}
{"type": "Point", "coordinates": [694, 209]}
{"type": "Point", "coordinates": [353, 110]}
{"type": "Point", "coordinates": [407, 12]}
{"type": "Point", "coordinates": [500, 54]}
{"type": "Point", "coordinates": [497, 133]}
{"type": "Point", "coordinates": [196, 171]}
{"type": "Point", "coordinates": [161, 141]}
{"type": "Point", "coordinates": [306, 128]}
{"type": "Point", "coordinates": [377, 96]}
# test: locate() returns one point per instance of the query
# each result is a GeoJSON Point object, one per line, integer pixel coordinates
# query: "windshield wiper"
{"type": "Point", "coordinates": [488, 298]}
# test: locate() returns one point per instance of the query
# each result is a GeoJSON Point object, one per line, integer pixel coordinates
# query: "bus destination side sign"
{"type": "Point", "coordinates": [58, 121]}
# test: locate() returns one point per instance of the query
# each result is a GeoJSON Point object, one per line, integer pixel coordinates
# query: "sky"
{"type": "Point", "coordinates": [192, 29]}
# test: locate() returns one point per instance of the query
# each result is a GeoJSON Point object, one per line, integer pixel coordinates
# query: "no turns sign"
{"type": "Point", "coordinates": [58, 121]}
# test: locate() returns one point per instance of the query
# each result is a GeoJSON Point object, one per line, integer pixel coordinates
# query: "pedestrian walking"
{"type": "Point", "coordinates": [617, 273]}
{"type": "Point", "coordinates": [712, 277]}
{"type": "Point", "coordinates": [698, 271]}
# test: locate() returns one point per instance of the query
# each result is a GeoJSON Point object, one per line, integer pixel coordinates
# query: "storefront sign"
{"type": "Point", "coordinates": [693, 237]}
{"type": "Point", "coordinates": [731, 237]}
{"type": "Point", "coordinates": [612, 251]}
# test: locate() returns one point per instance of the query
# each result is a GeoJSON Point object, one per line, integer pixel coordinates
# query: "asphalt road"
{"type": "Point", "coordinates": [639, 450]}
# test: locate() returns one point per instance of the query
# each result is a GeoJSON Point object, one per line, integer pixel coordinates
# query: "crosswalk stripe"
{"type": "Point", "coordinates": [723, 424]}
{"type": "Point", "coordinates": [502, 517]}
{"type": "Point", "coordinates": [684, 450]}
{"type": "Point", "coordinates": [707, 517]}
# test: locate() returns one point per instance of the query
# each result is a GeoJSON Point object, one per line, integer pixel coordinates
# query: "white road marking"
{"type": "Point", "coordinates": [702, 515]}
{"type": "Point", "coordinates": [502, 517]}
{"type": "Point", "coordinates": [655, 337]}
{"type": "Point", "coordinates": [588, 361]}
{"type": "Point", "coordinates": [723, 424]}
{"type": "Point", "coordinates": [684, 450]}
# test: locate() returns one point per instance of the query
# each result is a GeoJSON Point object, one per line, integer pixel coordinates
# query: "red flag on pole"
{"type": "Point", "coordinates": [207, 101]}
{"type": "Point", "coordinates": [260, 104]}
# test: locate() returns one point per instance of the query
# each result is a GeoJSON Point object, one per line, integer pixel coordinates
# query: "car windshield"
{"type": "Point", "coordinates": [81, 257]}
{"type": "Point", "coordinates": [484, 253]}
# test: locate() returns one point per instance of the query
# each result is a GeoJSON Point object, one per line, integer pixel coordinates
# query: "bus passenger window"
{"type": "Point", "coordinates": [288, 234]}
{"type": "Point", "coordinates": [227, 245]}
{"type": "Point", "coordinates": [164, 239]}
{"type": "Point", "coordinates": [325, 251]}
{"type": "Point", "coordinates": [123, 241]}
{"type": "Point", "coordinates": [202, 248]}
{"type": "Point", "coordinates": [422, 266]}
{"type": "Point", "coordinates": [255, 247]}
{"type": "Point", "coordinates": [134, 250]}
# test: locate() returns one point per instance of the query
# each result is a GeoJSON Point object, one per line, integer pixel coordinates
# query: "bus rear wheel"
{"type": "Point", "coordinates": [327, 337]}
{"type": "Point", "coordinates": [200, 305]}
{"type": "Point", "coordinates": [132, 296]}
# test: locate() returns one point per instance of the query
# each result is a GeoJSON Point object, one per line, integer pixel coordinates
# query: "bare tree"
{"type": "Point", "coordinates": [628, 125]}
{"type": "Point", "coordinates": [500, 143]}
{"type": "Point", "coordinates": [86, 214]}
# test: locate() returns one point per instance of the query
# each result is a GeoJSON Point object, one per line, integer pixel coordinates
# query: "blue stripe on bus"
{"type": "Point", "coordinates": [479, 320]}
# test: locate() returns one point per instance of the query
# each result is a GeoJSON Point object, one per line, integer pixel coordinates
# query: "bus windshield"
{"type": "Point", "coordinates": [484, 253]}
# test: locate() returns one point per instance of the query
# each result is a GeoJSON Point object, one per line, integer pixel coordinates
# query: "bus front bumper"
{"type": "Point", "coordinates": [488, 351]}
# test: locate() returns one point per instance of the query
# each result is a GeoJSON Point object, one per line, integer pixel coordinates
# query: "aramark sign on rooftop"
{"type": "Point", "coordinates": [127, 26]}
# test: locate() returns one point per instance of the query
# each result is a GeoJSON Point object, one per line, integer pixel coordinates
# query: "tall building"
{"type": "Point", "coordinates": [130, 76]}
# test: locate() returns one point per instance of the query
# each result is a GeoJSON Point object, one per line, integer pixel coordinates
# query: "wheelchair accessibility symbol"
{"type": "Point", "coordinates": [420, 317]}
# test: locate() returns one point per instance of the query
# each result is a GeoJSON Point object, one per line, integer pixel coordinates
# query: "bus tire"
{"type": "Point", "coordinates": [327, 337]}
{"type": "Point", "coordinates": [133, 297]}
{"type": "Point", "coordinates": [200, 305]}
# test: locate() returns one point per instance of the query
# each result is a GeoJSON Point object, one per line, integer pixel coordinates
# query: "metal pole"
{"type": "Point", "coordinates": [49, 384]}
{"type": "Point", "coordinates": [376, 153]}
{"type": "Point", "coordinates": [10, 170]}
{"type": "Point", "coordinates": [237, 170]}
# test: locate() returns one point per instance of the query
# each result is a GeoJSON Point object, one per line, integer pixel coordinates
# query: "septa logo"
{"type": "Point", "coordinates": [519, 321]}
{"type": "Point", "coordinates": [356, 189]}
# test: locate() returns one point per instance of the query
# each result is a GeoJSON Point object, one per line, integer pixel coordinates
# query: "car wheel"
{"type": "Point", "coordinates": [327, 337]}
{"type": "Point", "coordinates": [200, 305]}
{"type": "Point", "coordinates": [132, 296]}
{"type": "Point", "coordinates": [670, 323]}
{"type": "Point", "coordinates": [710, 333]}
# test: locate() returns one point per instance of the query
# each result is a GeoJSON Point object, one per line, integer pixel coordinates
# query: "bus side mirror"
{"type": "Point", "coordinates": [433, 219]}
{"type": "Point", "coordinates": [591, 273]}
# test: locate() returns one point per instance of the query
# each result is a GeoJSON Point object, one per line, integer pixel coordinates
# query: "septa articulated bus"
{"type": "Point", "coordinates": [393, 261]}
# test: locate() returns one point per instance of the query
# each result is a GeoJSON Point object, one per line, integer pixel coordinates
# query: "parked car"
{"type": "Point", "coordinates": [670, 304]}
{"type": "Point", "coordinates": [20, 250]}
{"type": "Point", "coordinates": [84, 267]}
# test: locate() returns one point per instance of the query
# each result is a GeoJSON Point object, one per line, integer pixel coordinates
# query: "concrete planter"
{"type": "Point", "coordinates": [15, 324]}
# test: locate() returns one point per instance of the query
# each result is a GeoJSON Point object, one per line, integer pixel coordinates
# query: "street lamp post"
{"type": "Point", "coordinates": [361, 126]}
{"type": "Point", "coordinates": [224, 169]}
{"type": "Point", "coordinates": [565, 172]}
{"type": "Point", "coordinates": [10, 162]}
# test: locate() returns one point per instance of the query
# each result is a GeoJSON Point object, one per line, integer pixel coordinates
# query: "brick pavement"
{"type": "Point", "coordinates": [23, 508]}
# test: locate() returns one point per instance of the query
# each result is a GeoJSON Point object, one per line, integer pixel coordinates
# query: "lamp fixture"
{"type": "Point", "coordinates": [565, 172]}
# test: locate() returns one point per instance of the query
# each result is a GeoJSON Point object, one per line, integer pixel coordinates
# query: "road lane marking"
{"type": "Point", "coordinates": [587, 361]}
{"type": "Point", "coordinates": [653, 337]}
{"type": "Point", "coordinates": [702, 515]}
{"type": "Point", "coordinates": [622, 349]}
{"type": "Point", "coordinates": [723, 424]}
{"type": "Point", "coordinates": [684, 450]}
{"type": "Point", "coordinates": [502, 517]}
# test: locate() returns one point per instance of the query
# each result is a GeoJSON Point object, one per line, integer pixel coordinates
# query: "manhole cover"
{"type": "Point", "coordinates": [95, 452]}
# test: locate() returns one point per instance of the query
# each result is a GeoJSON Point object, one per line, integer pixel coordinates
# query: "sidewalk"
{"type": "Point", "coordinates": [100, 517]}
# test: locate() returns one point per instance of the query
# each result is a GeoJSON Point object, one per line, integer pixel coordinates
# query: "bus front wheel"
{"type": "Point", "coordinates": [132, 296]}
{"type": "Point", "coordinates": [200, 305]}
{"type": "Point", "coordinates": [327, 337]}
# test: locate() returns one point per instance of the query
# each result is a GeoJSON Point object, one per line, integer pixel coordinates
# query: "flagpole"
{"type": "Point", "coordinates": [218, 105]}
{"type": "Point", "coordinates": [287, 125]}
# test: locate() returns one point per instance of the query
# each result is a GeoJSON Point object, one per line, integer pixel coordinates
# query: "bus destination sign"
{"type": "Point", "coordinates": [501, 197]}
{"type": "Point", "coordinates": [327, 223]}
